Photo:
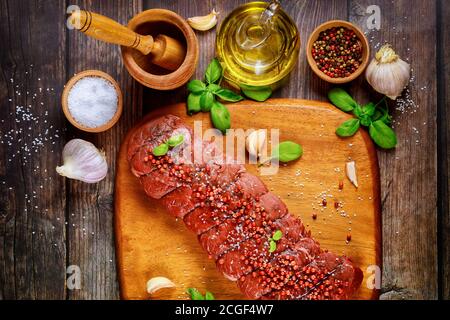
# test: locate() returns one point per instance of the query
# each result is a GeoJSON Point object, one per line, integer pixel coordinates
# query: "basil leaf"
{"type": "Point", "coordinates": [256, 93]}
{"type": "Point", "coordinates": [160, 150]}
{"type": "Point", "coordinates": [213, 87]}
{"type": "Point", "coordinates": [376, 115]}
{"type": "Point", "coordinates": [209, 296]}
{"type": "Point", "coordinates": [195, 294]}
{"type": "Point", "coordinates": [193, 103]}
{"type": "Point", "coordinates": [213, 71]}
{"type": "Point", "coordinates": [357, 111]}
{"type": "Point", "coordinates": [272, 246]}
{"type": "Point", "coordinates": [369, 109]}
{"type": "Point", "coordinates": [175, 140]}
{"type": "Point", "coordinates": [206, 101]}
{"type": "Point", "coordinates": [341, 99]}
{"type": "Point", "coordinates": [196, 86]}
{"type": "Point", "coordinates": [382, 135]}
{"type": "Point", "coordinates": [277, 235]}
{"type": "Point", "coordinates": [228, 95]}
{"type": "Point", "coordinates": [365, 120]}
{"type": "Point", "coordinates": [220, 117]}
{"type": "Point", "coordinates": [287, 151]}
{"type": "Point", "coordinates": [382, 115]}
{"type": "Point", "coordinates": [348, 128]}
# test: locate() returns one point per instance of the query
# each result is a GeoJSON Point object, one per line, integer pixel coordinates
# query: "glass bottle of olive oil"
{"type": "Point", "coordinates": [257, 45]}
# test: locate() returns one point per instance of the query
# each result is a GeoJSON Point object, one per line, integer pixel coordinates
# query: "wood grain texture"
{"type": "Point", "coordinates": [409, 172]}
{"type": "Point", "coordinates": [32, 233]}
{"type": "Point", "coordinates": [33, 32]}
{"type": "Point", "coordinates": [443, 64]}
{"type": "Point", "coordinates": [89, 207]}
{"type": "Point", "coordinates": [140, 221]}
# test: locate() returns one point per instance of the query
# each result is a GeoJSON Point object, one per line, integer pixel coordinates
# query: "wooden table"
{"type": "Point", "coordinates": [48, 223]}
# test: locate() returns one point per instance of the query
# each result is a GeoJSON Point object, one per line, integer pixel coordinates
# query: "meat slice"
{"type": "Point", "coordinates": [234, 230]}
{"type": "Point", "coordinates": [327, 276]}
{"type": "Point", "coordinates": [215, 212]}
{"type": "Point", "coordinates": [202, 189]}
{"type": "Point", "coordinates": [143, 162]}
{"type": "Point", "coordinates": [256, 285]}
{"type": "Point", "coordinates": [221, 175]}
{"type": "Point", "coordinates": [338, 284]}
{"type": "Point", "coordinates": [155, 131]}
{"type": "Point", "coordinates": [180, 201]}
{"type": "Point", "coordinates": [163, 181]}
{"type": "Point", "coordinates": [252, 253]}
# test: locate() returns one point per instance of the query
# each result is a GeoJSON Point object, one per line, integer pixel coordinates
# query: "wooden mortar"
{"type": "Point", "coordinates": [154, 22]}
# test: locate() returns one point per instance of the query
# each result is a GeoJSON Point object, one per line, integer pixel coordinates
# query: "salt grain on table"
{"type": "Point", "coordinates": [92, 101]}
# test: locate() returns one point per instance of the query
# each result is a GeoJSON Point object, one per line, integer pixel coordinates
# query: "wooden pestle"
{"type": "Point", "coordinates": [163, 51]}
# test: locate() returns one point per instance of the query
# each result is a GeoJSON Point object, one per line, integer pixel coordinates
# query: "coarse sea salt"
{"type": "Point", "coordinates": [92, 101]}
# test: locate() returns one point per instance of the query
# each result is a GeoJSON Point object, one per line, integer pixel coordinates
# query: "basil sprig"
{"type": "Point", "coordinates": [203, 95]}
{"type": "Point", "coordinates": [172, 142]}
{"type": "Point", "coordinates": [277, 235]}
{"type": "Point", "coordinates": [374, 116]}
{"type": "Point", "coordinates": [196, 295]}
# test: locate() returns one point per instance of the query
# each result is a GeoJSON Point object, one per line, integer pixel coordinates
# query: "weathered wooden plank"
{"type": "Point", "coordinates": [32, 195]}
{"type": "Point", "coordinates": [90, 207]}
{"type": "Point", "coordinates": [408, 173]}
{"type": "Point", "coordinates": [308, 15]}
{"type": "Point", "coordinates": [443, 65]}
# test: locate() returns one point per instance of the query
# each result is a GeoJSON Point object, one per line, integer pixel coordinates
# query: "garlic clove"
{"type": "Point", "coordinates": [387, 73]}
{"type": "Point", "coordinates": [256, 142]}
{"type": "Point", "coordinates": [350, 168]}
{"type": "Point", "coordinates": [157, 283]}
{"type": "Point", "coordinates": [204, 23]}
{"type": "Point", "coordinates": [83, 161]}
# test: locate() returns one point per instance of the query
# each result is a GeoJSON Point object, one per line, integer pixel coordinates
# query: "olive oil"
{"type": "Point", "coordinates": [257, 47]}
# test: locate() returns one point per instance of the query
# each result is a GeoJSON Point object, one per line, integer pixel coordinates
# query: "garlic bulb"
{"type": "Point", "coordinates": [156, 283]}
{"type": "Point", "coordinates": [256, 142]}
{"type": "Point", "coordinates": [387, 73]}
{"type": "Point", "coordinates": [83, 161]}
{"type": "Point", "coordinates": [204, 23]}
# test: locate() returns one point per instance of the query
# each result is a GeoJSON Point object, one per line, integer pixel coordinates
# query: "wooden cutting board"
{"type": "Point", "coordinates": [151, 243]}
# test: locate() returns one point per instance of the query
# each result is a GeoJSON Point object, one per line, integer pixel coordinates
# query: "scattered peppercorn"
{"type": "Point", "coordinates": [314, 215]}
{"type": "Point", "coordinates": [324, 202]}
{"type": "Point", "coordinates": [336, 204]}
{"type": "Point", "coordinates": [337, 52]}
{"type": "Point", "coordinates": [349, 237]}
{"type": "Point", "coordinates": [341, 185]}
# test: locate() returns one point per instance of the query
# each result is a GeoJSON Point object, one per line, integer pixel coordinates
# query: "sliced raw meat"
{"type": "Point", "coordinates": [268, 278]}
{"type": "Point", "coordinates": [143, 162]}
{"type": "Point", "coordinates": [180, 201]}
{"type": "Point", "coordinates": [204, 218]}
{"type": "Point", "coordinates": [252, 253]}
{"type": "Point", "coordinates": [155, 131]}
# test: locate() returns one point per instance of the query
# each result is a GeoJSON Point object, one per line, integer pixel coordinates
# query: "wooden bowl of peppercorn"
{"type": "Point", "coordinates": [338, 51]}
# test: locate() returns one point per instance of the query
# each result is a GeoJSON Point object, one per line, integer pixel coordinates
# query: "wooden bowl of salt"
{"type": "Point", "coordinates": [92, 101]}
